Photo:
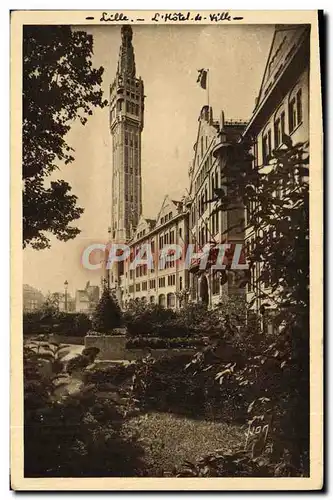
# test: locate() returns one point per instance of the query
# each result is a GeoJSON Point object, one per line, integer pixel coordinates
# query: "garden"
{"type": "Point", "coordinates": [190, 415]}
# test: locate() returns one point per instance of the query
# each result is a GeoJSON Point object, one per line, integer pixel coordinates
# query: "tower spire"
{"type": "Point", "coordinates": [126, 124]}
{"type": "Point", "coordinates": [126, 62]}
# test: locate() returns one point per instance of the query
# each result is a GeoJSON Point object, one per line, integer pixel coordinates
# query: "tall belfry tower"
{"type": "Point", "coordinates": [126, 124]}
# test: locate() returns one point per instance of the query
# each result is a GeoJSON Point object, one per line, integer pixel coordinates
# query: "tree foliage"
{"type": "Point", "coordinates": [276, 197]}
{"type": "Point", "coordinates": [60, 85]}
{"type": "Point", "coordinates": [107, 314]}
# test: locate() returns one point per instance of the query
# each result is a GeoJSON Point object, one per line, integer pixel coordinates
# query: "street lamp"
{"type": "Point", "coordinates": [66, 287]}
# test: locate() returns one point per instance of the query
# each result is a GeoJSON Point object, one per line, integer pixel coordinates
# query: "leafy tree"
{"type": "Point", "coordinates": [277, 201]}
{"type": "Point", "coordinates": [60, 85]}
{"type": "Point", "coordinates": [107, 314]}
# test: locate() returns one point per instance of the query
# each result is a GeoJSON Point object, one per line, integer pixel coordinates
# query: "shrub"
{"type": "Point", "coordinates": [191, 320]}
{"type": "Point", "coordinates": [117, 373]}
{"type": "Point", "coordinates": [107, 314]}
{"type": "Point", "coordinates": [78, 435]}
{"type": "Point", "coordinates": [167, 385]}
{"type": "Point", "coordinates": [235, 464]}
{"type": "Point", "coordinates": [164, 343]}
{"type": "Point", "coordinates": [62, 323]}
{"type": "Point", "coordinates": [142, 319]}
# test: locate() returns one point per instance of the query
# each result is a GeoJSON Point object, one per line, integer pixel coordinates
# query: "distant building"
{"type": "Point", "coordinates": [66, 302]}
{"type": "Point", "coordinates": [87, 299]}
{"type": "Point", "coordinates": [32, 298]}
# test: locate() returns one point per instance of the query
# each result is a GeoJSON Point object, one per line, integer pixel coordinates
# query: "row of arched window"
{"type": "Point", "coordinates": [164, 300]}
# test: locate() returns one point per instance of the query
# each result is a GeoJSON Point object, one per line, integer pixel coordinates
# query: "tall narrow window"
{"type": "Point", "coordinates": [264, 149]}
{"type": "Point", "coordinates": [299, 106]}
{"type": "Point", "coordinates": [277, 133]}
{"type": "Point", "coordinates": [269, 137]}
{"type": "Point", "coordinates": [292, 115]}
{"type": "Point", "coordinates": [282, 119]}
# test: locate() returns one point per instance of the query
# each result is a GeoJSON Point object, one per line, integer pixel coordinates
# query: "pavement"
{"type": "Point", "coordinates": [74, 350]}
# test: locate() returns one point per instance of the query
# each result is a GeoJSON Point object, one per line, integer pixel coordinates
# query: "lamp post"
{"type": "Point", "coordinates": [66, 287]}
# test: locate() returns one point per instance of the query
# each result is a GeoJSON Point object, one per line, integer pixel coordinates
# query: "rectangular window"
{"type": "Point", "coordinates": [269, 138]}
{"type": "Point", "coordinates": [292, 115]}
{"type": "Point", "coordinates": [216, 284]}
{"type": "Point", "coordinates": [264, 149]}
{"type": "Point", "coordinates": [299, 106]}
{"type": "Point", "coordinates": [249, 283]}
{"type": "Point", "coordinates": [144, 286]}
{"type": "Point", "coordinates": [283, 119]}
{"type": "Point", "coordinates": [180, 283]}
{"type": "Point", "coordinates": [277, 133]}
{"type": "Point", "coordinates": [137, 287]}
{"type": "Point", "coordinates": [152, 284]}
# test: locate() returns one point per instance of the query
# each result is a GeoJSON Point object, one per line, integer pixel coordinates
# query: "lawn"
{"type": "Point", "coordinates": [168, 440]}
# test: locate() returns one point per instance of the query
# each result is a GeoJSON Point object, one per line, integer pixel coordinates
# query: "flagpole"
{"type": "Point", "coordinates": [208, 87]}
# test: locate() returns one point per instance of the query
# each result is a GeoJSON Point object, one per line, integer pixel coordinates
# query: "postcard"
{"type": "Point", "coordinates": [166, 255]}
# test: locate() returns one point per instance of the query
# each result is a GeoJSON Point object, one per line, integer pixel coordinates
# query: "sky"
{"type": "Point", "coordinates": [167, 58]}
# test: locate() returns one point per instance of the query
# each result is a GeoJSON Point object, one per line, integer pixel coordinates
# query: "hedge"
{"type": "Point", "coordinates": [164, 343]}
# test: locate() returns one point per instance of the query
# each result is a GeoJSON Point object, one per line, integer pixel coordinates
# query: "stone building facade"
{"type": "Point", "coordinates": [157, 280]}
{"type": "Point", "coordinates": [282, 107]}
{"type": "Point", "coordinates": [208, 223]}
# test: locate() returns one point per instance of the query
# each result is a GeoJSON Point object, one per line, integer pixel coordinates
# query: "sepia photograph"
{"type": "Point", "coordinates": [163, 321]}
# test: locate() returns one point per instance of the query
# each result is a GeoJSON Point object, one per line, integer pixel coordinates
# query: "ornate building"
{"type": "Point", "coordinates": [208, 224]}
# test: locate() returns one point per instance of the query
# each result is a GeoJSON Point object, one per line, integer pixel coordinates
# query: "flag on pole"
{"type": "Point", "coordinates": [202, 78]}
